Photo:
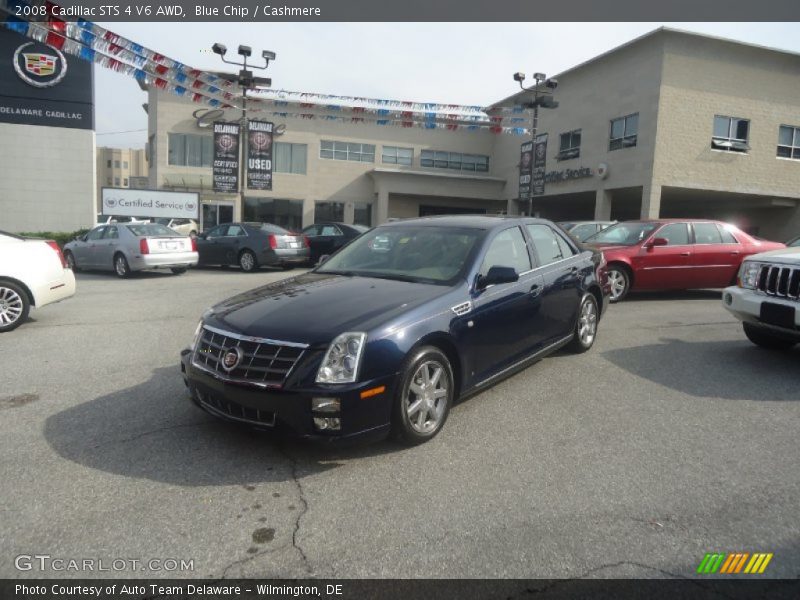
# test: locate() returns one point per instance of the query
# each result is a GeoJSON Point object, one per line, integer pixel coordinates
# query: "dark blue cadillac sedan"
{"type": "Point", "coordinates": [385, 335]}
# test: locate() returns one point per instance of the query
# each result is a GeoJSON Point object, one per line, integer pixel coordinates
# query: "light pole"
{"type": "Point", "coordinates": [246, 81]}
{"type": "Point", "coordinates": [543, 98]}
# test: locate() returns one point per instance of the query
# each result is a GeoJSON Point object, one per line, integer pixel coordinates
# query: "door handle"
{"type": "Point", "coordinates": [535, 290]}
{"type": "Point", "coordinates": [735, 253]}
{"type": "Point", "coordinates": [686, 253]}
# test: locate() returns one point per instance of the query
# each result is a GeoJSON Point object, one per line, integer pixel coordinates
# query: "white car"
{"type": "Point", "coordinates": [182, 226]}
{"type": "Point", "coordinates": [767, 298]}
{"type": "Point", "coordinates": [32, 273]}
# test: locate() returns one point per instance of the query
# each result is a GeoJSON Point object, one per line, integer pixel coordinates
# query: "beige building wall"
{"type": "Point", "coordinates": [116, 166]}
{"type": "Point", "coordinates": [40, 197]}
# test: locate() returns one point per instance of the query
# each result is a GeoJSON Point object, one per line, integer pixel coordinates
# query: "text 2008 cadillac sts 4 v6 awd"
{"type": "Point", "coordinates": [388, 332]}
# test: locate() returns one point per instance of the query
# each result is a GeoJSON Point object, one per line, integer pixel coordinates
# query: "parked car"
{"type": "Point", "coordinates": [108, 219]}
{"type": "Point", "coordinates": [252, 245]}
{"type": "Point", "coordinates": [584, 229]}
{"type": "Point", "coordinates": [378, 341]}
{"type": "Point", "coordinates": [674, 254]}
{"type": "Point", "coordinates": [32, 273]}
{"type": "Point", "coordinates": [182, 226]}
{"type": "Point", "coordinates": [327, 238]}
{"type": "Point", "coordinates": [766, 298]}
{"type": "Point", "coordinates": [125, 248]}
{"type": "Point", "coordinates": [793, 243]}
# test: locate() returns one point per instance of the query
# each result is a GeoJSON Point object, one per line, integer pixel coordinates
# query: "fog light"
{"type": "Point", "coordinates": [325, 405]}
{"type": "Point", "coordinates": [728, 299]}
{"type": "Point", "coordinates": [328, 423]}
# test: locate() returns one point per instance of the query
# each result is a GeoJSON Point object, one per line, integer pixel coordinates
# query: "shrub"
{"type": "Point", "coordinates": [61, 237]}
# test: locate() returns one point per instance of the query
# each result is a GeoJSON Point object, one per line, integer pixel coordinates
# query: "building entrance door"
{"type": "Point", "coordinates": [215, 213]}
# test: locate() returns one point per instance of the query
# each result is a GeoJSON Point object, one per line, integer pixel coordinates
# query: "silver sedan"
{"type": "Point", "coordinates": [127, 247]}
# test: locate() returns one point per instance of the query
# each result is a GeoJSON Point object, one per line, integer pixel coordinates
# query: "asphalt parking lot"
{"type": "Point", "coordinates": [673, 437]}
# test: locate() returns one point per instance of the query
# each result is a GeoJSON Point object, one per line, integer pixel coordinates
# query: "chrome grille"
{"type": "Point", "coordinates": [780, 281]}
{"type": "Point", "coordinates": [264, 362]}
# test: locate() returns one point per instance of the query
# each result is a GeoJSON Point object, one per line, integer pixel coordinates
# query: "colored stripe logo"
{"type": "Point", "coordinates": [734, 563]}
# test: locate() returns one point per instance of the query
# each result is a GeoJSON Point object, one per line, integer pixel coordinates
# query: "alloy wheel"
{"type": "Point", "coordinates": [247, 261]}
{"type": "Point", "coordinates": [426, 400]}
{"type": "Point", "coordinates": [587, 322]}
{"type": "Point", "coordinates": [11, 306]}
{"type": "Point", "coordinates": [618, 283]}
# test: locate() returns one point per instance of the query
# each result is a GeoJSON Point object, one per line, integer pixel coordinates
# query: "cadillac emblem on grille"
{"type": "Point", "coordinates": [231, 358]}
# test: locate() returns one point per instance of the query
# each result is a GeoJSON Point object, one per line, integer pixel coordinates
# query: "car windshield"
{"type": "Point", "coordinates": [360, 228]}
{"type": "Point", "coordinates": [269, 228]}
{"type": "Point", "coordinates": [150, 229]}
{"type": "Point", "coordinates": [624, 234]}
{"type": "Point", "coordinates": [163, 221]}
{"type": "Point", "coordinates": [422, 254]}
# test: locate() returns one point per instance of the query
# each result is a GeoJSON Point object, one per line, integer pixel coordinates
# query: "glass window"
{"type": "Point", "coordinates": [290, 158]}
{"type": "Point", "coordinates": [330, 230]}
{"type": "Point", "coordinates": [351, 151]}
{"type": "Point", "coordinates": [311, 230]}
{"type": "Point", "coordinates": [454, 160]}
{"type": "Point", "coordinates": [507, 249]}
{"type": "Point", "coordinates": [789, 142]}
{"type": "Point", "coordinates": [566, 249]}
{"type": "Point", "coordinates": [108, 163]}
{"type": "Point", "coordinates": [395, 155]}
{"type": "Point", "coordinates": [108, 180]}
{"type": "Point", "coordinates": [624, 132]}
{"type": "Point", "coordinates": [583, 231]}
{"type": "Point", "coordinates": [125, 164]}
{"type": "Point", "coordinates": [146, 229]}
{"type": "Point", "coordinates": [286, 213]}
{"type": "Point", "coordinates": [625, 234]}
{"type": "Point", "coordinates": [217, 231]}
{"type": "Point", "coordinates": [706, 233]}
{"type": "Point", "coordinates": [362, 214]}
{"type": "Point", "coordinates": [116, 181]}
{"type": "Point", "coordinates": [235, 231]}
{"type": "Point", "coordinates": [727, 236]}
{"type": "Point", "coordinates": [570, 145]}
{"type": "Point", "coordinates": [676, 234]}
{"type": "Point", "coordinates": [96, 234]}
{"type": "Point", "coordinates": [546, 242]}
{"type": "Point", "coordinates": [328, 211]}
{"type": "Point", "coordinates": [730, 134]}
{"type": "Point", "coordinates": [111, 233]}
{"type": "Point", "coordinates": [116, 164]}
{"type": "Point", "coordinates": [125, 182]}
{"type": "Point", "coordinates": [190, 150]}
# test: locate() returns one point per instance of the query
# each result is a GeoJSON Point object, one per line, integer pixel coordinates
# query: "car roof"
{"type": "Point", "coordinates": [466, 221]}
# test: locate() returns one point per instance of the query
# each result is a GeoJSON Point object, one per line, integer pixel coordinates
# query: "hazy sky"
{"type": "Point", "coordinates": [459, 63]}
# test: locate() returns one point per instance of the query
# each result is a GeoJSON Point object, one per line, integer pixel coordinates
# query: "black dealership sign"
{"type": "Point", "coordinates": [259, 155]}
{"type": "Point", "coordinates": [226, 157]}
{"type": "Point", "coordinates": [40, 85]}
{"type": "Point", "coordinates": [539, 160]}
{"type": "Point", "coordinates": [525, 166]}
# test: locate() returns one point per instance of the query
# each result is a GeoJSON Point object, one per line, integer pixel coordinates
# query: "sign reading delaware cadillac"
{"type": "Point", "coordinates": [567, 174]}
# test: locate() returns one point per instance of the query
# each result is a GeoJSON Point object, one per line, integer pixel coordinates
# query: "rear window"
{"type": "Point", "coordinates": [360, 228]}
{"type": "Point", "coordinates": [269, 228]}
{"type": "Point", "coordinates": [150, 229]}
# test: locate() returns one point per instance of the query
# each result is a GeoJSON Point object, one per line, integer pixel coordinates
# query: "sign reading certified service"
{"type": "Point", "coordinates": [150, 203]}
{"type": "Point", "coordinates": [259, 155]}
{"type": "Point", "coordinates": [40, 85]}
{"type": "Point", "coordinates": [225, 171]}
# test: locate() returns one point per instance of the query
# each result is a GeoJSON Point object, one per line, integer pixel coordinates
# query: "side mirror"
{"type": "Point", "coordinates": [497, 275]}
{"type": "Point", "coordinates": [323, 258]}
{"type": "Point", "coordinates": [659, 241]}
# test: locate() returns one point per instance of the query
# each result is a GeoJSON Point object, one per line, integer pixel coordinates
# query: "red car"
{"type": "Point", "coordinates": [674, 254]}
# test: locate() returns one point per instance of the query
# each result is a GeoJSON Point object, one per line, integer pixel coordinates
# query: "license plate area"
{"type": "Point", "coordinates": [169, 245]}
{"type": "Point", "coordinates": [777, 314]}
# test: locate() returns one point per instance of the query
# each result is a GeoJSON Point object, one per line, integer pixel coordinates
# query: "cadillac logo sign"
{"type": "Point", "coordinates": [231, 358]}
{"type": "Point", "coordinates": [40, 69]}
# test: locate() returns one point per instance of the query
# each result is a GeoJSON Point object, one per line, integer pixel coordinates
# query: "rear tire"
{"type": "Point", "coordinates": [14, 306]}
{"type": "Point", "coordinates": [423, 398]}
{"type": "Point", "coordinates": [586, 325]}
{"type": "Point", "coordinates": [287, 267]}
{"type": "Point", "coordinates": [178, 270]}
{"type": "Point", "coordinates": [71, 262]}
{"type": "Point", "coordinates": [620, 279]}
{"type": "Point", "coordinates": [760, 337]}
{"type": "Point", "coordinates": [247, 261]}
{"type": "Point", "coordinates": [121, 266]}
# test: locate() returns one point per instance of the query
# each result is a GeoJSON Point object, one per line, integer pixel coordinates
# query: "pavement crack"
{"type": "Point", "coordinates": [303, 510]}
{"type": "Point", "coordinates": [146, 433]}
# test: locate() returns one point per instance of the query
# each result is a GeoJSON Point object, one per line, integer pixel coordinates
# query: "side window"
{"type": "Point", "coordinates": [707, 233]}
{"type": "Point", "coordinates": [235, 231]}
{"type": "Point", "coordinates": [330, 230]}
{"type": "Point", "coordinates": [311, 230]}
{"type": "Point", "coordinates": [111, 234]}
{"type": "Point", "coordinates": [217, 231]}
{"type": "Point", "coordinates": [546, 243]}
{"type": "Point", "coordinates": [566, 249]}
{"type": "Point", "coordinates": [727, 236]}
{"type": "Point", "coordinates": [96, 234]}
{"type": "Point", "coordinates": [507, 249]}
{"type": "Point", "coordinates": [676, 234]}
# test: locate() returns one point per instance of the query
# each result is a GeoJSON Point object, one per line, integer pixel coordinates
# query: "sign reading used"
{"type": "Point", "coordinates": [150, 203]}
{"type": "Point", "coordinates": [525, 167]}
{"type": "Point", "coordinates": [259, 155]}
{"type": "Point", "coordinates": [539, 160]}
{"type": "Point", "coordinates": [226, 157]}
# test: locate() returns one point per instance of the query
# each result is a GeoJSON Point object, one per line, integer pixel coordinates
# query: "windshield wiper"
{"type": "Point", "coordinates": [345, 273]}
{"type": "Point", "coordinates": [395, 277]}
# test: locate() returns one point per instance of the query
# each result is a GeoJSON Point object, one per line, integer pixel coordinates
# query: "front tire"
{"type": "Point", "coordinates": [586, 326]}
{"type": "Point", "coordinates": [14, 306]}
{"type": "Point", "coordinates": [121, 266]}
{"type": "Point", "coordinates": [620, 281]}
{"type": "Point", "coordinates": [71, 262]}
{"type": "Point", "coordinates": [760, 337]}
{"type": "Point", "coordinates": [247, 261]}
{"type": "Point", "coordinates": [423, 399]}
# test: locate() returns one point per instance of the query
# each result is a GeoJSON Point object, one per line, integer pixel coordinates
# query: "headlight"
{"type": "Point", "coordinates": [342, 359]}
{"type": "Point", "coordinates": [748, 275]}
{"type": "Point", "coordinates": [196, 336]}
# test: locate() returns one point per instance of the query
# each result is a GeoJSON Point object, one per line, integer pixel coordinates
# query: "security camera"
{"type": "Point", "coordinates": [246, 51]}
{"type": "Point", "coordinates": [519, 77]}
{"type": "Point", "coordinates": [220, 49]}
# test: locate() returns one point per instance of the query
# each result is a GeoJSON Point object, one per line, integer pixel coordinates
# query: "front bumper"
{"type": "Point", "coordinates": [745, 305]}
{"type": "Point", "coordinates": [288, 411]}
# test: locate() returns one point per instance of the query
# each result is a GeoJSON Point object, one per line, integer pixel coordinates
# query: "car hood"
{"type": "Point", "coordinates": [783, 255]}
{"type": "Point", "coordinates": [313, 308]}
